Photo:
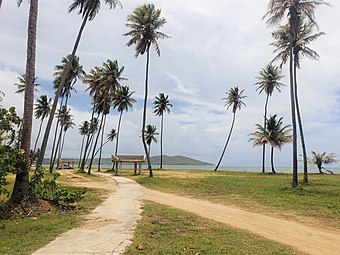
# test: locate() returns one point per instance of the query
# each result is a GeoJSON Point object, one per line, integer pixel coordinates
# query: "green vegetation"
{"type": "Point", "coordinates": [23, 234]}
{"type": "Point", "coordinates": [266, 193]}
{"type": "Point", "coordinates": [163, 230]}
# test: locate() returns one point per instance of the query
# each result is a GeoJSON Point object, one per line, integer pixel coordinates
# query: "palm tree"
{"type": "Point", "coordinates": [233, 99]}
{"type": "Point", "coordinates": [109, 138]}
{"type": "Point", "coordinates": [274, 133]}
{"type": "Point", "coordinates": [42, 109]}
{"type": "Point", "coordinates": [21, 190]}
{"type": "Point", "coordinates": [304, 37]}
{"type": "Point", "coordinates": [22, 84]}
{"type": "Point", "coordinates": [144, 24]}
{"type": "Point", "coordinates": [161, 105]}
{"type": "Point", "coordinates": [83, 130]}
{"type": "Point", "coordinates": [88, 10]}
{"type": "Point", "coordinates": [67, 125]}
{"type": "Point", "coordinates": [150, 136]}
{"type": "Point", "coordinates": [320, 159]}
{"type": "Point", "coordinates": [296, 11]}
{"type": "Point", "coordinates": [122, 101]}
{"type": "Point", "coordinates": [269, 78]}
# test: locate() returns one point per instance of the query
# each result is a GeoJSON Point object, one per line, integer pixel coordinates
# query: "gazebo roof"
{"type": "Point", "coordinates": [128, 158]}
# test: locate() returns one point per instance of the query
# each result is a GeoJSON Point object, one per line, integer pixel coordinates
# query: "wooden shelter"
{"type": "Point", "coordinates": [66, 163]}
{"type": "Point", "coordinates": [136, 160]}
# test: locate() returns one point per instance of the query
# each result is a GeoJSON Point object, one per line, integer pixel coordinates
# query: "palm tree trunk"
{"type": "Point", "coordinates": [57, 94]}
{"type": "Point", "coordinates": [272, 160]}
{"type": "Point", "coordinates": [302, 138]}
{"type": "Point", "coordinates": [54, 141]}
{"type": "Point", "coordinates": [21, 190]}
{"type": "Point", "coordinates": [81, 151]}
{"type": "Point", "coordinates": [118, 130]}
{"type": "Point", "coordinates": [101, 143]}
{"type": "Point", "coordinates": [226, 144]}
{"type": "Point", "coordinates": [264, 144]}
{"type": "Point", "coordinates": [56, 150]}
{"type": "Point", "coordinates": [82, 165]}
{"type": "Point", "coordinates": [36, 140]}
{"type": "Point", "coordinates": [62, 145]}
{"type": "Point", "coordinates": [144, 112]}
{"type": "Point", "coordinates": [162, 121]}
{"type": "Point", "coordinates": [292, 106]}
{"type": "Point", "coordinates": [95, 144]}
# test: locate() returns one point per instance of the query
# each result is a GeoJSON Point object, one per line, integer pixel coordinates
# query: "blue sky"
{"type": "Point", "coordinates": [214, 46]}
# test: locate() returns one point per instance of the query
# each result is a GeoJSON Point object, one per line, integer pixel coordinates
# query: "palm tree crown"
{"type": "Point", "coordinates": [42, 107]}
{"type": "Point", "coordinates": [122, 99]}
{"type": "Point", "coordinates": [144, 24]}
{"type": "Point", "coordinates": [22, 84]}
{"type": "Point", "coordinates": [269, 79]}
{"type": "Point", "coordinates": [234, 99]}
{"type": "Point", "coordinates": [161, 104]}
{"type": "Point", "coordinates": [150, 134]}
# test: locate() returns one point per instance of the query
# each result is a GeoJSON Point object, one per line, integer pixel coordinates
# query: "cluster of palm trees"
{"type": "Point", "coordinates": [291, 42]}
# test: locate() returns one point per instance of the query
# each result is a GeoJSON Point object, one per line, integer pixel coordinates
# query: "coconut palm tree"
{"type": "Point", "coordinates": [234, 100]}
{"type": "Point", "coordinates": [320, 159]}
{"type": "Point", "coordinates": [109, 138]}
{"type": "Point", "coordinates": [22, 84]}
{"type": "Point", "coordinates": [88, 10]}
{"type": "Point", "coordinates": [67, 125]}
{"type": "Point", "coordinates": [21, 190]}
{"type": "Point", "coordinates": [42, 109]}
{"type": "Point", "coordinates": [145, 23]}
{"type": "Point", "coordinates": [150, 135]}
{"type": "Point", "coordinates": [268, 81]}
{"type": "Point", "coordinates": [122, 101]}
{"type": "Point", "coordinates": [300, 48]}
{"type": "Point", "coordinates": [83, 131]}
{"type": "Point", "coordinates": [161, 105]}
{"type": "Point", "coordinates": [274, 133]}
{"type": "Point", "coordinates": [295, 11]}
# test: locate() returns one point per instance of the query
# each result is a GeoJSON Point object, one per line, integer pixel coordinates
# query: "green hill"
{"type": "Point", "coordinates": [177, 160]}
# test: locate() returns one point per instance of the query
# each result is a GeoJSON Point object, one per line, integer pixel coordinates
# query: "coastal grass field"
{"type": "Point", "coordinates": [315, 203]}
{"type": "Point", "coordinates": [22, 235]}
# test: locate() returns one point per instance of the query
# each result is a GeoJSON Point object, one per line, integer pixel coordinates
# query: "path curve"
{"type": "Point", "coordinates": [108, 229]}
{"type": "Point", "coordinates": [311, 240]}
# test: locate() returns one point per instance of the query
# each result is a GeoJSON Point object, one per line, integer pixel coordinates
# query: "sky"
{"type": "Point", "coordinates": [214, 45]}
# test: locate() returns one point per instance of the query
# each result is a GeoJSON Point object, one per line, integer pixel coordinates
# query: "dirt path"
{"type": "Point", "coordinates": [311, 240]}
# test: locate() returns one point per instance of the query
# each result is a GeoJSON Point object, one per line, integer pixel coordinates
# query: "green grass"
{"type": "Point", "coordinates": [23, 235]}
{"type": "Point", "coordinates": [164, 230]}
{"type": "Point", "coordinates": [319, 200]}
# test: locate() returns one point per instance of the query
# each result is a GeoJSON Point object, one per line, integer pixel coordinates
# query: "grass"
{"type": "Point", "coordinates": [164, 230]}
{"type": "Point", "coordinates": [22, 235]}
{"type": "Point", "coordinates": [317, 202]}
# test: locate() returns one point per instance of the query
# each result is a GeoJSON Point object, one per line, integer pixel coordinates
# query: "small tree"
{"type": "Point", "coordinates": [320, 159]}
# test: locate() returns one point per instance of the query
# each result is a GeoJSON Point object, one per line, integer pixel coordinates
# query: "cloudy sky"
{"type": "Point", "coordinates": [214, 45]}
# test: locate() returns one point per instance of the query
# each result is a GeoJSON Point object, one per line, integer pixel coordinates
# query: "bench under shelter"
{"type": "Point", "coordinates": [136, 160]}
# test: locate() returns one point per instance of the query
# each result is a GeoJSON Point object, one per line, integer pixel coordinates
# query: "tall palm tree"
{"type": "Point", "coordinates": [109, 138]}
{"type": "Point", "coordinates": [296, 11]}
{"type": "Point", "coordinates": [21, 190]}
{"type": "Point", "coordinates": [268, 81]}
{"type": "Point", "coordinates": [150, 135]}
{"type": "Point", "coordinates": [122, 101]}
{"type": "Point", "coordinates": [88, 10]}
{"type": "Point", "coordinates": [67, 125]}
{"type": "Point", "coordinates": [234, 100]}
{"type": "Point", "coordinates": [145, 23]}
{"type": "Point", "coordinates": [304, 37]}
{"type": "Point", "coordinates": [83, 131]}
{"type": "Point", "coordinates": [274, 133]}
{"type": "Point", "coordinates": [42, 109]}
{"type": "Point", "coordinates": [161, 105]}
{"type": "Point", "coordinates": [319, 159]}
{"type": "Point", "coordinates": [22, 84]}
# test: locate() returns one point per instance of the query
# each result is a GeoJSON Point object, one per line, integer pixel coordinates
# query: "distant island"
{"type": "Point", "coordinates": [155, 160]}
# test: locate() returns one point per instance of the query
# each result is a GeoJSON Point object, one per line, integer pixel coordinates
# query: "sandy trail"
{"type": "Point", "coordinates": [307, 239]}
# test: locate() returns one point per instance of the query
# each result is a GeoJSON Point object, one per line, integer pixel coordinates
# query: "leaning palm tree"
{"type": "Point", "coordinates": [88, 10]}
{"type": "Point", "coordinates": [145, 23]}
{"type": "Point", "coordinates": [150, 135]}
{"type": "Point", "coordinates": [21, 190]}
{"type": "Point", "coordinates": [274, 133]}
{"type": "Point", "coordinates": [268, 81]}
{"type": "Point", "coordinates": [161, 105]}
{"type": "Point", "coordinates": [122, 101]}
{"type": "Point", "coordinates": [22, 84]}
{"type": "Point", "coordinates": [42, 109]}
{"type": "Point", "coordinates": [296, 11]}
{"type": "Point", "coordinates": [320, 159]}
{"type": "Point", "coordinates": [233, 99]}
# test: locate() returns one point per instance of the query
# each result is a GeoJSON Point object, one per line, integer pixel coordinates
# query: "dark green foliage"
{"type": "Point", "coordinates": [48, 189]}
